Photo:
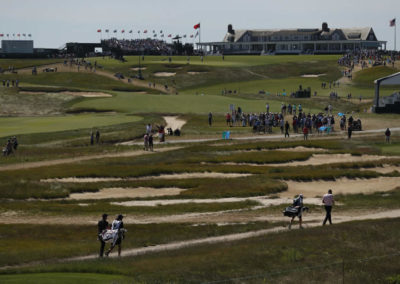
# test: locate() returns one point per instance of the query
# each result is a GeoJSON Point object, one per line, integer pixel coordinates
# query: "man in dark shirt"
{"type": "Point", "coordinates": [102, 225]}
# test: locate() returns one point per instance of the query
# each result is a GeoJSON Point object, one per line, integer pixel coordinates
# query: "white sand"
{"type": "Point", "coordinates": [164, 74]}
{"type": "Point", "coordinates": [342, 186]}
{"type": "Point", "coordinates": [312, 75]}
{"type": "Point", "coordinates": [107, 193]}
{"type": "Point", "coordinates": [174, 122]}
{"type": "Point", "coordinates": [171, 176]}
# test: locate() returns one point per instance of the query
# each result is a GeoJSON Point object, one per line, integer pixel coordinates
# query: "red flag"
{"type": "Point", "coordinates": [169, 35]}
{"type": "Point", "coordinates": [393, 22]}
{"type": "Point", "coordinates": [18, 35]}
{"type": "Point", "coordinates": [1, 35]}
{"type": "Point", "coordinates": [145, 31]}
{"type": "Point", "coordinates": [99, 30]}
{"type": "Point", "coordinates": [197, 26]}
{"type": "Point", "coordinates": [122, 31]}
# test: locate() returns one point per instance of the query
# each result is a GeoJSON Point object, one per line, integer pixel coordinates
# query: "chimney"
{"type": "Point", "coordinates": [325, 27]}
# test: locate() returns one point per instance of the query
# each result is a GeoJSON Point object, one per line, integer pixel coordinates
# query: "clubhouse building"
{"type": "Point", "coordinates": [295, 41]}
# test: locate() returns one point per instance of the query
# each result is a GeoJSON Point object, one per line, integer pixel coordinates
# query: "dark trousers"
{"type": "Point", "coordinates": [102, 245]}
{"type": "Point", "coordinates": [328, 210]}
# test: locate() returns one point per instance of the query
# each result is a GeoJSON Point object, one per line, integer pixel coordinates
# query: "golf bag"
{"type": "Point", "coordinates": [109, 236]}
{"type": "Point", "coordinates": [292, 211]}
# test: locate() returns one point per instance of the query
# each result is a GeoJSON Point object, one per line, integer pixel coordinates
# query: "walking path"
{"type": "Point", "coordinates": [315, 222]}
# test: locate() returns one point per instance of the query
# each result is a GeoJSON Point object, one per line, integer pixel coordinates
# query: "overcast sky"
{"type": "Point", "coordinates": [55, 22]}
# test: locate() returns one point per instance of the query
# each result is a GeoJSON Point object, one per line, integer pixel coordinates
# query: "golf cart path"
{"type": "Point", "coordinates": [315, 222]}
{"type": "Point", "coordinates": [47, 163]}
{"type": "Point", "coordinates": [74, 68]}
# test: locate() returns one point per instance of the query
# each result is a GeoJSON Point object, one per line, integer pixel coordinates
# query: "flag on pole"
{"type": "Point", "coordinates": [191, 36]}
{"type": "Point", "coordinates": [130, 31]}
{"type": "Point", "coordinates": [184, 36]}
{"type": "Point", "coordinates": [18, 35]}
{"type": "Point", "coordinates": [393, 22]}
{"type": "Point", "coordinates": [23, 34]}
{"type": "Point", "coordinates": [162, 35]}
{"type": "Point", "coordinates": [28, 35]}
{"type": "Point", "coordinates": [138, 32]}
{"type": "Point", "coordinates": [197, 34]}
{"type": "Point", "coordinates": [8, 35]}
{"type": "Point", "coordinates": [99, 30]}
{"type": "Point", "coordinates": [170, 35]}
{"type": "Point", "coordinates": [154, 31]}
{"type": "Point", "coordinates": [115, 31]}
{"type": "Point", "coordinates": [197, 26]}
{"type": "Point", "coordinates": [160, 32]}
{"type": "Point", "coordinates": [1, 35]}
{"type": "Point", "coordinates": [145, 31]}
{"type": "Point", "coordinates": [155, 35]}
{"type": "Point", "coordinates": [122, 31]}
{"type": "Point", "coordinates": [107, 31]}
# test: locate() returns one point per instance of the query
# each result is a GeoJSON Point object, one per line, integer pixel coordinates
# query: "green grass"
{"type": "Point", "coordinates": [48, 242]}
{"type": "Point", "coordinates": [82, 81]}
{"type": "Point", "coordinates": [276, 258]}
{"type": "Point", "coordinates": [25, 63]}
{"type": "Point", "coordinates": [26, 125]}
{"type": "Point", "coordinates": [367, 76]}
{"type": "Point", "coordinates": [48, 278]}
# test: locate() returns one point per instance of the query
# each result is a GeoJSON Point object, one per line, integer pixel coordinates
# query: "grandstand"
{"type": "Point", "coordinates": [136, 46]}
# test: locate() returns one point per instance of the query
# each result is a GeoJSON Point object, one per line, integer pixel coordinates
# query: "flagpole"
{"type": "Point", "coordinates": [200, 36]}
{"type": "Point", "coordinates": [395, 24]}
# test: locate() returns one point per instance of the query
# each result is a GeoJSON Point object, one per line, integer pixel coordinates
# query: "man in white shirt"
{"type": "Point", "coordinates": [328, 202]}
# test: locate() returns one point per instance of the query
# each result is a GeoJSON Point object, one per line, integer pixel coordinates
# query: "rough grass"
{"type": "Point", "coordinates": [78, 278]}
{"type": "Point", "coordinates": [49, 242]}
{"type": "Point", "coordinates": [282, 257]}
{"type": "Point", "coordinates": [82, 81]}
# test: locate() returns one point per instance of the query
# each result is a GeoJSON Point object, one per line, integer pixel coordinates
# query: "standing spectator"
{"type": "Point", "coordinates": [146, 142]}
{"type": "Point", "coordinates": [287, 126]}
{"type": "Point", "coordinates": [387, 134]}
{"type": "Point", "coordinates": [210, 118]}
{"type": "Point", "coordinates": [349, 131]}
{"type": "Point", "coordinates": [305, 132]}
{"type": "Point", "coordinates": [151, 145]}
{"type": "Point", "coordinates": [91, 138]}
{"type": "Point", "coordinates": [228, 119]}
{"type": "Point", "coordinates": [148, 128]}
{"type": "Point", "coordinates": [328, 202]}
{"type": "Point", "coordinates": [97, 136]}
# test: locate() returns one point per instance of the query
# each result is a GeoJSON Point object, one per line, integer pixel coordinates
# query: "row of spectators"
{"type": "Point", "coordinates": [153, 46]}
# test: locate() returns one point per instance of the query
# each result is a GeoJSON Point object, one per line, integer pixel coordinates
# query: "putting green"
{"type": "Point", "coordinates": [83, 278]}
{"type": "Point", "coordinates": [25, 125]}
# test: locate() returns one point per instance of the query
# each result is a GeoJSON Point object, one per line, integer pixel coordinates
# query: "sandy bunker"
{"type": "Point", "coordinates": [164, 74]}
{"type": "Point", "coordinates": [174, 122]}
{"type": "Point", "coordinates": [321, 159]}
{"type": "Point", "coordinates": [171, 176]}
{"type": "Point", "coordinates": [341, 186]}
{"type": "Point", "coordinates": [107, 193]}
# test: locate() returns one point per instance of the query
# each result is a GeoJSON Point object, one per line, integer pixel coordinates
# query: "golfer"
{"type": "Point", "coordinates": [101, 226]}
{"type": "Point", "coordinates": [328, 202]}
